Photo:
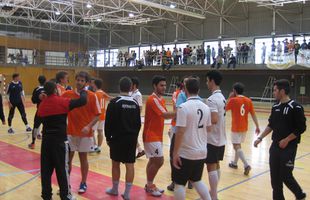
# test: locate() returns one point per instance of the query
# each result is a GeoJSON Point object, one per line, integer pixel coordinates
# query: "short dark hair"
{"type": "Point", "coordinates": [283, 84]}
{"type": "Point", "coordinates": [135, 81]}
{"type": "Point", "coordinates": [192, 85]}
{"type": "Point", "coordinates": [216, 76]}
{"type": "Point", "coordinates": [125, 84]}
{"type": "Point", "coordinates": [156, 79]}
{"type": "Point", "coordinates": [42, 79]}
{"type": "Point", "coordinates": [98, 82]}
{"type": "Point", "coordinates": [83, 74]}
{"type": "Point", "coordinates": [49, 88]}
{"type": "Point", "coordinates": [15, 75]}
{"type": "Point", "coordinates": [238, 87]}
{"type": "Point", "coordinates": [60, 75]}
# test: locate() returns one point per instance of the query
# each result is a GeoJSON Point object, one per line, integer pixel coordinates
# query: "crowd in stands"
{"type": "Point", "coordinates": [190, 56]}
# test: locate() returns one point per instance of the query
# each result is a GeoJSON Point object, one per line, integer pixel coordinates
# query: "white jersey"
{"type": "Point", "coordinates": [195, 116]}
{"type": "Point", "coordinates": [136, 95]}
{"type": "Point", "coordinates": [217, 103]}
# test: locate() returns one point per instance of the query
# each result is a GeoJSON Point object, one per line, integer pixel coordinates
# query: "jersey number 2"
{"type": "Point", "coordinates": [200, 113]}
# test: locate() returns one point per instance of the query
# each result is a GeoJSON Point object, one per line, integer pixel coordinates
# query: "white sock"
{"type": "Point", "coordinates": [241, 156]}
{"type": "Point", "coordinates": [27, 126]}
{"type": "Point", "coordinates": [236, 157]}
{"type": "Point", "coordinates": [213, 180]}
{"type": "Point", "coordinates": [36, 132]}
{"type": "Point", "coordinates": [202, 190]}
{"type": "Point", "coordinates": [218, 174]}
{"type": "Point", "coordinates": [179, 192]}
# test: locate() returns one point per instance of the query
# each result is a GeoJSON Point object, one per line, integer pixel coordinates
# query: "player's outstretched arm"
{"type": "Point", "coordinates": [262, 135]}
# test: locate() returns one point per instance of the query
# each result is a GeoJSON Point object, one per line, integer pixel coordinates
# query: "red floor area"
{"type": "Point", "coordinates": [97, 183]}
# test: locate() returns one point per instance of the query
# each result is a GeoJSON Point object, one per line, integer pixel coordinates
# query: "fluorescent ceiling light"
{"type": "Point", "coordinates": [98, 20]}
{"type": "Point", "coordinates": [131, 15]}
{"type": "Point", "coordinates": [168, 8]}
{"type": "Point", "coordinates": [172, 6]}
{"type": "Point", "coordinates": [57, 12]}
{"type": "Point", "coordinates": [88, 5]}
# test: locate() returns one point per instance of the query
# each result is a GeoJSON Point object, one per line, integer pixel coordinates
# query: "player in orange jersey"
{"type": "Point", "coordinates": [62, 78]}
{"type": "Point", "coordinates": [80, 123]}
{"type": "Point", "coordinates": [240, 107]}
{"type": "Point", "coordinates": [155, 115]}
{"type": "Point", "coordinates": [102, 98]}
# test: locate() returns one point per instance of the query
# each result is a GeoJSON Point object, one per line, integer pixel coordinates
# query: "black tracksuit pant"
{"type": "Point", "coordinates": [21, 109]}
{"type": "Point", "coordinates": [281, 163]}
{"type": "Point", "coordinates": [171, 154]}
{"type": "Point", "coordinates": [55, 155]}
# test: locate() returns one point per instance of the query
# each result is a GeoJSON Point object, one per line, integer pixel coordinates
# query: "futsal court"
{"type": "Point", "coordinates": [20, 166]}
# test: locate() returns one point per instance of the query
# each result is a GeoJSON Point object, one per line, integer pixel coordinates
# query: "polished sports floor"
{"type": "Point", "coordinates": [20, 166]}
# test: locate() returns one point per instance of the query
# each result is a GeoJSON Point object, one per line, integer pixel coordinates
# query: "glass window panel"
{"type": "Point", "coordinates": [258, 49]}
{"type": "Point", "coordinates": [232, 44]}
{"type": "Point", "coordinates": [14, 53]}
{"type": "Point", "coordinates": [100, 58]}
{"type": "Point", "coordinates": [143, 50]}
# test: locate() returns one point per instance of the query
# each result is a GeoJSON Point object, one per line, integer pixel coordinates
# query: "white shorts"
{"type": "Point", "coordinates": [237, 138]}
{"type": "Point", "coordinates": [80, 144]}
{"type": "Point", "coordinates": [99, 126]}
{"type": "Point", "coordinates": [153, 149]}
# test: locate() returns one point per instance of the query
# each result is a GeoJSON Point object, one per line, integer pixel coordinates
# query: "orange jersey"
{"type": "Point", "coordinates": [153, 120]}
{"type": "Point", "coordinates": [80, 117]}
{"type": "Point", "coordinates": [60, 89]}
{"type": "Point", "coordinates": [168, 53]}
{"type": "Point", "coordinates": [102, 99]}
{"type": "Point", "coordinates": [240, 107]}
{"type": "Point", "coordinates": [174, 101]}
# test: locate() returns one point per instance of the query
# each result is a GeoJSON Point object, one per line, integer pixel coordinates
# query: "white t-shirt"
{"type": "Point", "coordinates": [217, 103]}
{"type": "Point", "coordinates": [136, 95]}
{"type": "Point", "coordinates": [195, 116]}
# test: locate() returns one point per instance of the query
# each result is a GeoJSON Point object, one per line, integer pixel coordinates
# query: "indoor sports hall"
{"type": "Point", "coordinates": [255, 42]}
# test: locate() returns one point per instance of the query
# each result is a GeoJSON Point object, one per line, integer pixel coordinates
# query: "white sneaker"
{"type": "Point", "coordinates": [153, 190]}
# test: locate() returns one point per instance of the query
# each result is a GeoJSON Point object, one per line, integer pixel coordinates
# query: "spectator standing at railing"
{"type": "Point", "coordinates": [34, 56]}
{"type": "Point", "coordinates": [194, 56]}
{"type": "Point", "coordinates": [175, 56]}
{"type": "Point", "coordinates": [239, 53]}
{"type": "Point", "coordinates": [285, 43]}
{"type": "Point", "coordinates": [120, 58]}
{"type": "Point", "coordinates": [291, 46]}
{"type": "Point", "coordinates": [126, 56]}
{"type": "Point", "coordinates": [87, 56]}
{"type": "Point", "coordinates": [95, 59]}
{"type": "Point", "coordinates": [245, 50]}
{"type": "Point", "coordinates": [201, 54]}
{"type": "Point", "coordinates": [309, 44]}
{"type": "Point", "coordinates": [169, 55]}
{"type": "Point", "coordinates": [179, 54]}
{"type": "Point", "coordinates": [213, 55]}
{"type": "Point", "coordinates": [304, 45]}
{"type": "Point", "coordinates": [186, 53]}
{"type": "Point", "coordinates": [296, 47]}
{"type": "Point", "coordinates": [208, 55]}
{"type": "Point", "coordinates": [263, 53]}
{"type": "Point", "coordinates": [251, 52]}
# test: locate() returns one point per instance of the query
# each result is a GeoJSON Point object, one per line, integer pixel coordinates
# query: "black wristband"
{"type": "Point", "coordinates": [260, 138]}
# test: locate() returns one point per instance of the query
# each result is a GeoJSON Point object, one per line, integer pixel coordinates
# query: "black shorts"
{"type": "Point", "coordinates": [123, 150]}
{"type": "Point", "coordinates": [191, 170]}
{"type": "Point", "coordinates": [215, 153]}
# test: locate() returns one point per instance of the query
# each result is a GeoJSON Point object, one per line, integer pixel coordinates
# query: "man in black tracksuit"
{"type": "Point", "coordinates": [287, 122]}
{"type": "Point", "coordinates": [16, 99]}
{"type": "Point", "coordinates": [122, 126]}
{"type": "Point", "coordinates": [37, 120]}
{"type": "Point", "coordinates": [53, 111]}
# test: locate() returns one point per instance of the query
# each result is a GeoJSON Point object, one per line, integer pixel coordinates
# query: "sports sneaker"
{"type": "Point", "coordinates": [97, 149]}
{"type": "Point", "coordinates": [11, 131]}
{"type": "Point", "coordinates": [111, 192]}
{"type": "Point", "coordinates": [28, 129]}
{"type": "Point", "coordinates": [153, 190]}
{"type": "Point", "coordinates": [247, 170]}
{"type": "Point", "coordinates": [233, 165]}
{"type": "Point", "coordinates": [302, 196]}
{"type": "Point", "coordinates": [140, 154]}
{"type": "Point", "coordinates": [39, 136]}
{"type": "Point", "coordinates": [83, 188]}
{"type": "Point", "coordinates": [189, 185]}
{"type": "Point", "coordinates": [171, 187]}
{"type": "Point", "coordinates": [31, 146]}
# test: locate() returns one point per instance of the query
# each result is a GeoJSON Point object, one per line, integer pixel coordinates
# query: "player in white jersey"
{"type": "Point", "coordinates": [136, 94]}
{"type": "Point", "coordinates": [193, 124]}
{"type": "Point", "coordinates": [217, 136]}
